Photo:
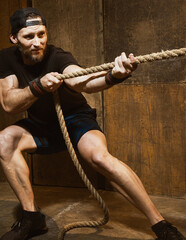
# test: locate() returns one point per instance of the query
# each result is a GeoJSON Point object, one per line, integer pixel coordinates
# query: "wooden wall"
{"type": "Point", "coordinates": [147, 111]}
{"type": "Point", "coordinates": [143, 118]}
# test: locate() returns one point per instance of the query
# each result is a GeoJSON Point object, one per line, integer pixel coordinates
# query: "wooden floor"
{"type": "Point", "coordinates": [67, 205]}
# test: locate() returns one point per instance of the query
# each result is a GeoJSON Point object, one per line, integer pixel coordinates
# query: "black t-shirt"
{"type": "Point", "coordinates": [55, 60]}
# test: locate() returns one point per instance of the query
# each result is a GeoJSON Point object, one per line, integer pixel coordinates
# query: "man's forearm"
{"type": "Point", "coordinates": [96, 84]}
{"type": "Point", "coordinates": [18, 100]}
{"type": "Point", "coordinates": [89, 84]}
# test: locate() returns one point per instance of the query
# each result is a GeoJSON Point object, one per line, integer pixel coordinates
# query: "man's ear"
{"type": "Point", "coordinates": [13, 39]}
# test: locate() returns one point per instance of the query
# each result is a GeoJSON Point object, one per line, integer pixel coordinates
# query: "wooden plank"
{"type": "Point", "coordinates": [76, 26]}
{"type": "Point", "coordinates": [23, 3]}
{"type": "Point", "coordinates": [147, 132]}
{"type": "Point", "coordinates": [4, 26]}
{"type": "Point", "coordinates": [59, 170]}
{"type": "Point", "coordinates": [142, 27]}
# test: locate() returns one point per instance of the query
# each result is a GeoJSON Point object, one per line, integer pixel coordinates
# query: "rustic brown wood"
{"type": "Point", "coordinates": [7, 8]}
{"type": "Point", "coordinates": [143, 27]}
{"type": "Point", "coordinates": [58, 170]}
{"type": "Point", "coordinates": [144, 117]}
{"type": "Point", "coordinates": [76, 27]}
{"type": "Point", "coordinates": [147, 133]}
{"type": "Point", "coordinates": [23, 3]}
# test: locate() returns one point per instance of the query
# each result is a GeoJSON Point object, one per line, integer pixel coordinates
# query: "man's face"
{"type": "Point", "coordinates": [32, 41]}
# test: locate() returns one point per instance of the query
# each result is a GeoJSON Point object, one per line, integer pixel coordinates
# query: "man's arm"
{"type": "Point", "coordinates": [96, 82]}
{"type": "Point", "coordinates": [90, 83]}
{"type": "Point", "coordinates": [13, 99]}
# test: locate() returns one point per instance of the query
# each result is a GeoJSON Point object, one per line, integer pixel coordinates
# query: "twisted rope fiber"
{"type": "Point", "coordinates": [90, 187]}
{"type": "Point", "coordinates": [139, 59]}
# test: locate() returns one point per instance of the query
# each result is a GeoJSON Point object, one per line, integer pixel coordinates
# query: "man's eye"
{"type": "Point", "coordinates": [41, 34]}
{"type": "Point", "coordinates": [28, 37]}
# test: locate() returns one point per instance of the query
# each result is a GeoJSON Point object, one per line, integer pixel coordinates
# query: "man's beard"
{"type": "Point", "coordinates": [32, 58]}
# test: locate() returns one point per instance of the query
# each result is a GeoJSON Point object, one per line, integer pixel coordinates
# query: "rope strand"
{"type": "Point", "coordinates": [139, 59]}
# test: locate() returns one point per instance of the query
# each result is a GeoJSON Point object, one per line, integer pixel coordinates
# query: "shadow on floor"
{"type": "Point", "coordinates": [52, 234]}
{"type": "Point", "coordinates": [70, 236]}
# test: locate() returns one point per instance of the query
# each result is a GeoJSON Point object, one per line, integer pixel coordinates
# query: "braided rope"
{"type": "Point", "coordinates": [73, 155]}
{"type": "Point", "coordinates": [140, 59]}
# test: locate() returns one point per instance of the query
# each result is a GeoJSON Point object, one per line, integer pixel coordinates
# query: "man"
{"type": "Point", "coordinates": [28, 73]}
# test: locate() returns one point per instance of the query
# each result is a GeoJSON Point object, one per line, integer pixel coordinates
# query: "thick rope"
{"type": "Point", "coordinates": [140, 59]}
{"type": "Point", "coordinates": [73, 155]}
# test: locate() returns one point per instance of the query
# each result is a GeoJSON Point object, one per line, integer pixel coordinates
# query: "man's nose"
{"type": "Point", "coordinates": [36, 41]}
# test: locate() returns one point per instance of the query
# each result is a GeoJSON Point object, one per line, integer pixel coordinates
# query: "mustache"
{"type": "Point", "coordinates": [36, 49]}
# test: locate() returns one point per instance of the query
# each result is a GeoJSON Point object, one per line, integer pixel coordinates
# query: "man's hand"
{"type": "Point", "coordinates": [50, 82]}
{"type": "Point", "coordinates": [124, 66]}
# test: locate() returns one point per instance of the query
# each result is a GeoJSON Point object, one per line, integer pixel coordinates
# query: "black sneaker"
{"type": "Point", "coordinates": [166, 231]}
{"type": "Point", "coordinates": [31, 224]}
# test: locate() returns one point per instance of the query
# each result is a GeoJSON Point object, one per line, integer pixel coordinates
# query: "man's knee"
{"type": "Point", "coordinates": [8, 141]}
{"type": "Point", "coordinates": [102, 159]}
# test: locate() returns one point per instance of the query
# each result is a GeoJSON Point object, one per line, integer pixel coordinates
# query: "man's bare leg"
{"type": "Point", "coordinates": [13, 141]}
{"type": "Point", "coordinates": [93, 148]}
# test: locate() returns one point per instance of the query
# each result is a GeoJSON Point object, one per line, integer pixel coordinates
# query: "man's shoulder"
{"type": "Point", "coordinates": [12, 49]}
{"type": "Point", "coordinates": [59, 53]}
{"type": "Point", "coordinates": [8, 53]}
{"type": "Point", "coordinates": [59, 59]}
{"type": "Point", "coordinates": [55, 50]}
{"type": "Point", "coordinates": [7, 60]}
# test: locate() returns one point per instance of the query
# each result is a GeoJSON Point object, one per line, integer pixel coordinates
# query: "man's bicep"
{"type": "Point", "coordinates": [8, 83]}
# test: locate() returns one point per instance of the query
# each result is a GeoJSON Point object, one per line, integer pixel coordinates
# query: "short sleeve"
{"type": "Point", "coordinates": [5, 69]}
{"type": "Point", "coordinates": [64, 59]}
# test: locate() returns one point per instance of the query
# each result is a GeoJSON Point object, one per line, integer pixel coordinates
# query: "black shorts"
{"type": "Point", "coordinates": [49, 139]}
